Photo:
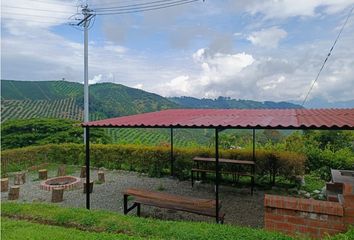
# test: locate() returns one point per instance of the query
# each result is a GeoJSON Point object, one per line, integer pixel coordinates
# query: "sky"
{"type": "Point", "coordinates": [244, 49]}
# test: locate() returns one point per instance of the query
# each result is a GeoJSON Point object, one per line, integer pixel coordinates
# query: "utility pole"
{"type": "Point", "coordinates": [85, 22]}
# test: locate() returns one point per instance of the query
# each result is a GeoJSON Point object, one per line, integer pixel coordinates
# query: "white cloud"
{"type": "Point", "coordinates": [96, 79]}
{"type": "Point", "coordinates": [139, 86]}
{"type": "Point", "coordinates": [268, 37]}
{"type": "Point", "coordinates": [293, 8]}
{"type": "Point", "coordinates": [18, 15]}
{"type": "Point", "coordinates": [215, 69]}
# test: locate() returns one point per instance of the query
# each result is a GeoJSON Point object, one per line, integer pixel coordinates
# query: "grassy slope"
{"type": "Point", "coordinates": [132, 226]}
{"type": "Point", "coordinates": [60, 224]}
{"type": "Point", "coordinates": [17, 229]}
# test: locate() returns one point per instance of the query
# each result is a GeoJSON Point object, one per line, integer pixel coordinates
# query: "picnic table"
{"type": "Point", "coordinates": [236, 173]}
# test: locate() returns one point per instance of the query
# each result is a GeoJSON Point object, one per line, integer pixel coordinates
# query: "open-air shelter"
{"type": "Point", "coordinates": [221, 119]}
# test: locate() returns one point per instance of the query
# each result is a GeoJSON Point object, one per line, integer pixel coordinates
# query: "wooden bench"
{"type": "Point", "coordinates": [199, 206]}
{"type": "Point", "coordinates": [235, 174]}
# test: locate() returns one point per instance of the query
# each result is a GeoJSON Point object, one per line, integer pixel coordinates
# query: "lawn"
{"type": "Point", "coordinates": [20, 229]}
{"type": "Point", "coordinates": [106, 223]}
{"type": "Point", "coordinates": [47, 221]}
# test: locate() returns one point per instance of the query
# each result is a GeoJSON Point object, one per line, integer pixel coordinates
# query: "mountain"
{"type": "Point", "coordinates": [61, 99]}
{"type": "Point", "coordinates": [323, 103]}
{"type": "Point", "coordinates": [227, 103]}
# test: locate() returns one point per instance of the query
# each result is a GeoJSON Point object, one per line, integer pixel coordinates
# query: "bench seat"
{"type": "Point", "coordinates": [199, 206]}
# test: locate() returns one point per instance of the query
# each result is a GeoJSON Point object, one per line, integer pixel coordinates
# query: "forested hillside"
{"type": "Point", "coordinates": [225, 102]}
{"type": "Point", "coordinates": [61, 99]}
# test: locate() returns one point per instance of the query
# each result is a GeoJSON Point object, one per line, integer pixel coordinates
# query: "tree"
{"type": "Point", "coordinates": [27, 132]}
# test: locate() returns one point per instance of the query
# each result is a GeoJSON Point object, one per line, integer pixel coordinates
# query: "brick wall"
{"type": "Point", "coordinates": [309, 217]}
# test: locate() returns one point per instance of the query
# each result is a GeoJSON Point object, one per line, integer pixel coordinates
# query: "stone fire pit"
{"type": "Point", "coordinates": [66, 182]}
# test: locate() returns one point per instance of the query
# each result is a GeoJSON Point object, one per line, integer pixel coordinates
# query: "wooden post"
{"type": "Point", "coordinates": [61, 170]}
{"type": "Point", "coordinates": [101, 177]}
{"type": "Point", "coordinates": [83, 172]}
{"type": "Point", "coordinates": [90, 186]}
{"type": "Point", "coordinates": [57, 194]}
{"type": "Point", "coordinates": [14, 193]}
{"type": "Point", "coordinates": [23, 177]}
{"type": "Point", "coordinates": [19, 178]}
{"type": "Point", "coordinates": [4, 184]}
{"type": "Point", "coordinates": [43, 174]}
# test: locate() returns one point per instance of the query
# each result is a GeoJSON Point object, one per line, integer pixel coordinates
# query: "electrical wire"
{"type": "Point", "coordinates": [327, 57]}
{"type": "Point", "coordinates": [135, 5]}
{"type": "Point", "coordinates": [36, 9]}
{"type": "Point", "coordinates": [143, 7]}
{"type": "Point", "coordinates": [31, 15]}
{"type": "Point", "coordinates": [37, 21]}
{"type": "Point", "coordinates": [145, 10]}
{"type": "Point", "coordinates": [62, 3]}
{"type": "Point", "coordinates": [109, 4]}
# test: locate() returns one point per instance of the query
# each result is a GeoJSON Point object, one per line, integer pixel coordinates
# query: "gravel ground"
{"type": "Point", "coordinates": [240, 207]}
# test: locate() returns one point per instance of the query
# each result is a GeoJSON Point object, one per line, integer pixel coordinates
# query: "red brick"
{"type": "Point", "coordinates": [349, 220]}
{"type": "Point", "coordinates": [274, 217]}
{"type": "Point", "coordinates": [295, 220]}
{"type": "Point", "coordinates": [348, 200]}
{"type": "Point", "coordinates": [317, 223]}
{"type": "Point", "coordinates": [333, 218]}
{"type": "Point", "coordinates": [347, 189]}
{"type": "Point", "coordinates": [314, 232]}
{"type": "Point", "coordinates": [287, 212]}
{"type": "Point", "coordinates": [332, 198]}
{"type": "Point", "coordinates": [282, 226]}
{"type": "Point", "coordinates": [269, 225]}
{"type": "Point", "coordinates": [349, 211]}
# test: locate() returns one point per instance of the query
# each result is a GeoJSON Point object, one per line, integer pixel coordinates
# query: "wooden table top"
{"type": "Point", "coordinates": [224, 160]}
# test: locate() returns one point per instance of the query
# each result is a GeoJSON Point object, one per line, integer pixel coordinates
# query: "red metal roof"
{"type": "Point", "coordinates": [236, 118]}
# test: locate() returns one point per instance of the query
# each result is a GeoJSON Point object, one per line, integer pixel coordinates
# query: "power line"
{"type": "Point", "coordinates": [105, 3]}
{"type": "Point", "coordinates": [36, 9]}
{"type": "Point", "coordinates": [145, 9]}
{"type": "Point", "coordinates": [32, 15]}
{"type": "Point", "coordinates": [38, 21]}
{"type": "Point", "coordinates": [328, 55]}
{"type": "Point", "coordinates": [62, 3]}
{"type": "Point", "coordinates": [135, 5]}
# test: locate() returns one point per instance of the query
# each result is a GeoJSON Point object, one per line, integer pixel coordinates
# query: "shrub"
{"type": "Point", "coordinates": [152, 160]}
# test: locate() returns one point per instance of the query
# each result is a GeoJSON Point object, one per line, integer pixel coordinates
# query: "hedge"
{"type": "Point", "coordinates": [148, 159]}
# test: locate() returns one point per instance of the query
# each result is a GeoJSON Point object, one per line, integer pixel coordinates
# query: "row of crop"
{"type": "Point", "coordinates": [148, 159]}
{"type": "Point", "coordinates": [67, 89]}
{"type": "Point", "coordinates": [151, 137]}
{"type": "Point", "coordinates": [24, 109]}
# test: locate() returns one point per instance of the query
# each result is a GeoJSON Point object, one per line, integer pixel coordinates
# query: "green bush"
{"type": "Point", "coordinates": [152, 160]}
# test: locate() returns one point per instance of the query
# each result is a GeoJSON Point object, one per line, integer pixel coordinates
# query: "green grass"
{"type": "Point", "coordinates": [19, 229]}
{"type": "Point", "coordinates": [52, 222]}
{"type": "Point", "coordinates": [109, 222]}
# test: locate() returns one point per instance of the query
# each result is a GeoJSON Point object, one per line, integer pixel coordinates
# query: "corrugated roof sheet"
{"type": "Point", "coordinates": [237, 118]}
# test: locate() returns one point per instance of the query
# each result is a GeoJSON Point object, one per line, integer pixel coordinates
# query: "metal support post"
{"type": "Point", "coordinates": [87, 138]}
{"type": "Point", "coordinates": [217, 174]}
{"type": "Point", "coordinates": [171, 154]}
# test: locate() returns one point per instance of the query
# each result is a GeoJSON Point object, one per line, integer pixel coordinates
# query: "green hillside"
{"type": "Point", "coordinates": [39, 90]}
{"type": "Point", "coordinates": [24, 109]}
{"type": "Point", "coordinates": [61, 99]}
{"type": "Point", "coordinates": [228, 103]}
